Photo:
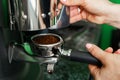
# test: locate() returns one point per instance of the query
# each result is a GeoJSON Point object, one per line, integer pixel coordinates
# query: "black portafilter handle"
{"type": "Point", "coordinates": [83, 57]}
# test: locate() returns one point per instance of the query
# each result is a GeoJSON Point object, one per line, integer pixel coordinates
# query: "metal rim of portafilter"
{"type": "Point", "coordinates": [56, 39]}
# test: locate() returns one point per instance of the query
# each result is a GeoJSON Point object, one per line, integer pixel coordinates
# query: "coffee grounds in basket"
{"type": "Point", "coordinates": [46, 39]}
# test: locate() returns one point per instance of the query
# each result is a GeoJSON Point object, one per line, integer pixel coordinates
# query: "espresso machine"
{"type": "Point", "coordinates": [30, 37]}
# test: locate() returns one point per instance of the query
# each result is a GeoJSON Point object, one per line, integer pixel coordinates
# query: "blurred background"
{"type": "Point", "coordinates": [75, 36]}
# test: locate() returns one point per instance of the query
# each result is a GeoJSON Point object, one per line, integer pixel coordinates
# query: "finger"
{"type": "Point", "coordinates": [75, 18]}
{"type": "Point", "coordinates": [97, 52]}
{"type": "Point", "coordinates": [95, 19]}
{"type": "Point", "coordinates": [74, 11]}
{"type": "Point", "coordinates": [73, 7]}
{"type": "Point", "coordinates": [84, 14]}
{"type": "Point", "coordinates": [117, 52]}
{"type": "Point", "coordinates": [72, 2]}
{"type": "Point", "coordinates": [60, 5]}
{"type": "Point", "coordinates": [109, 50]}
{"type": "Point", "coordinates": [93, 69]}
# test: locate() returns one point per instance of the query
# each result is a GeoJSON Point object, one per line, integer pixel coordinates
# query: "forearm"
{"type": "Point", "coordinates": [113, 18]}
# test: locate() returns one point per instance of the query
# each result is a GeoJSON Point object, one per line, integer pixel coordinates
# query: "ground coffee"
{"type": "Point", "coordinates": [46, 39]}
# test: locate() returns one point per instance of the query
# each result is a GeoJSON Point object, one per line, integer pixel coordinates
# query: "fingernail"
{"type": "Point", "coordinates": [88, 45]}
{"type": "Point", "coordinates": [118, 50]}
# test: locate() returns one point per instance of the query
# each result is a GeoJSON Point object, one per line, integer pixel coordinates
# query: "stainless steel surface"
{"type": "Point", "coordinates": [47, 34]}
{"type": "Point", "coordinates": [50, 68]}
{"type": "Point", "coordinates": [31, 15]}
{"type": "Point", "coordinates": [46, 50]}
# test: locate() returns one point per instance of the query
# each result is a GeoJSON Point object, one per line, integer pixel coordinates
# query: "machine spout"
{"type": "Point", "coordinates": [50, 68]}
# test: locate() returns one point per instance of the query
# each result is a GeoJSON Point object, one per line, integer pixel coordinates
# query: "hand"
{"type": "Point", "coordinates": [53, 8]}
{"type": "Point", "coordinates": [96, 11]}
{"type": "Point", "coordinates": [110, 69]}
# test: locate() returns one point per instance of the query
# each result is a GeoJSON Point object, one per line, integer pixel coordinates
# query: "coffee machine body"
{"type": "Point", "coordinates": [32, 15]}
{"type": "Point", "coordinates": [28, 18]}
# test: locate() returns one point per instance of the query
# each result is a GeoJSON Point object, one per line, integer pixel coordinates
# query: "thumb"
{"type": "Point", "coordinates": [96, 52]}
{"type": "Point", "coordinates": [93, 69]}
{"type": "Point", "coordinates": [72, 2]}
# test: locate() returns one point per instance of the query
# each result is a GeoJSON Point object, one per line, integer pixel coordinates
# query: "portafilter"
{"type": "Point", "coordinates": [52, 45]}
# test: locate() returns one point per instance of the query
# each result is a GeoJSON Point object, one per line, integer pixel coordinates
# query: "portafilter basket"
{"type": "Point", "coordinates": [47, 44]}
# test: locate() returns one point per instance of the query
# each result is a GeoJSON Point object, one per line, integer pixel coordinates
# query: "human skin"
{"type": "Point", "coordinates": [110, 69]}
{"type": "Point", "coordinates": [96, 11]}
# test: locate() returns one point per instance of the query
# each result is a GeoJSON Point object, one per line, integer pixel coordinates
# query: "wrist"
{"type": "Point", "coordinates": [113, 17]}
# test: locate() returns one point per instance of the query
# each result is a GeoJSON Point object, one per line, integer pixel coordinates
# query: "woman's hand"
{"type": "Point", "coordinates": [96, 11]}
{"type": "Point", "coordinates": [110, 69]}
